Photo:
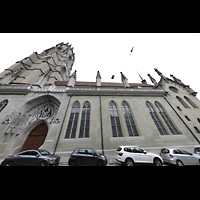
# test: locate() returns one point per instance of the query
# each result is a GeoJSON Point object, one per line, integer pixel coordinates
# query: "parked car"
{"type": "Point", "coordinates": [86, 156]}
{"type": "Point", "coordinates": [197, 150]}
{"type": "Point", "coordinates": [179, 157]}
{"type": "Point", "coordinates": [32, 158]}
{"type": "Point", "coordinates": [130, 155]}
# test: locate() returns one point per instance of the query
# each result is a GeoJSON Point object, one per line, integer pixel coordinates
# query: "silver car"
{"type": "Point", "coordinates": [197, 150]}
{"type": "Point", "coordinates": [179, 157]}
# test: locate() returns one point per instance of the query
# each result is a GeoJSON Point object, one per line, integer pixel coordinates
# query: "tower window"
{"type": "Point", "coordinates": [129, 120]}
{"type": "Point", "coordinates": [73, 120]}
{"type": "Point", "coordinates": [197, 129]}
{"type": "Point", "coordinates": [173, 89]}
{"type": "Point", "coordinates": [3, 104]}
{"type": "Point", "coordinates": [156, 119]}
{"type": "Point", "coordinates": [198, 119]}
{"type": "Point", "coordinates": [85, 121]}
{"type": "Point", "coordinates": [179, 108]}
{"type": "Point", "coordinates": [191, 102]}
{"type": "Point", "coordinates": [115, 123]}
{"type": "Point", "coordinates": [166, 119]}
{"type": "Point", "coordinates": [182, 102]}
{"type": "Point", "coordinates": [187, 118]}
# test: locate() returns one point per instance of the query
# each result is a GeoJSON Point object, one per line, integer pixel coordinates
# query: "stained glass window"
{"type": "Point", "coordinates": [85, 121]}
{"type": "Point", "coordinates": [156, 119]}
{"type": "Point", "coordinates": [115, 123]}
{"type": "Point", "coordinates": [73, 120]}
{"type": "Point", "coordinates": [129, 120]}
{"type": "Point", "coordinates": [166, 119]}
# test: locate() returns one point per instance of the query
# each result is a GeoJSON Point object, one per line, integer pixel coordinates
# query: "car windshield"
{"type": "Point", "coordinates": [44, 152]}
{"type": "Point", "coordinates": [93, 151]}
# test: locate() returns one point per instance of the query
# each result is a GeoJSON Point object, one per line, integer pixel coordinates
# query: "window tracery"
{"type": "Point", "coordinates": [73, 120]}
{"type": "Point", "coordinates": [115, 123]}
{"type": "Point", "coordinates": [129, 120]}
{"type": "Point", "coordinates": [85, 121]}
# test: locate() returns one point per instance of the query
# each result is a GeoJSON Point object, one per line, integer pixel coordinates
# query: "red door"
{"type": "Point", "coordinates": [36, 137]}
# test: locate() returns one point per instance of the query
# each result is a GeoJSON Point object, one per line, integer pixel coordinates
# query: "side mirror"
{"type": "Point", "coordinates": [145, 152]}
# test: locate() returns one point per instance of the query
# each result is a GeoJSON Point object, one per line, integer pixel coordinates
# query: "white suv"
{"type": "Point", "coordinates": [133, 154]}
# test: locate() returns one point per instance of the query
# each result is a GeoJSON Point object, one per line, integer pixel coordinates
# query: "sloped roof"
{"type": "Point", "coordinates": [104, 84]}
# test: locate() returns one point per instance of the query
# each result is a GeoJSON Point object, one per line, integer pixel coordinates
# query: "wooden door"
{"type": "Point", "coordinates": [36, 137]}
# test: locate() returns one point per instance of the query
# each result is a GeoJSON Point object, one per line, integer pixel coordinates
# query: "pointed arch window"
{"type": "Point", "coordinates": [129, 120]}
{"type": "Point", "coordinates": [191, 102]}
{"type": "Point", "coordinates": [3, 104]}
{"type": "Point", "coordinates": [115, 123]}
{"type": "Point", "coordinates": [166, 119]}
{"type": "Point", "coordinates": [182, 102]}
{"type": "Point", "coordinates": [85, 121]}
{"type": "Point", "coordinates": [73, 120]}
{"type": "Point", "coordinates": [156, 119]}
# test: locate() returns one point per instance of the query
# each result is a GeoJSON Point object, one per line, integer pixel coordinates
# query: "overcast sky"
{"type": "Point", "coordinates": [171, 53]}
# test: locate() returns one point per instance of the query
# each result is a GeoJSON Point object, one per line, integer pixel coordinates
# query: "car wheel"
{"type": "Point", "coordinates": [72, 163]}
{"type": "Point", "coordinates": [157, 162]}
{"type": "Point", "coordinates": [10, 163]}
{"type": "Point", "coordinates": [129, 162]}
{"type": "Point", "coordinates": [100, 163]}
{"type": "Point", "coordinates": [43, 163]}
{"type": "Point", "coordinates": [179, 163]}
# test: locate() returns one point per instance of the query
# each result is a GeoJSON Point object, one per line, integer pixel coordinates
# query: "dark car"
{"type": "Point", "coordinates": [86, 156]}
{"type": "Point", "coordinates": [32, 158]}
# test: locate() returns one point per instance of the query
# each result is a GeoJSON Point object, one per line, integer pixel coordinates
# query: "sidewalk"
{"type": "Point", "coordinates": [109, 164]}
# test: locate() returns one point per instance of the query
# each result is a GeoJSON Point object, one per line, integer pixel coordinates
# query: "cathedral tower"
{"type": "Point", "coordinates": [39, 70]}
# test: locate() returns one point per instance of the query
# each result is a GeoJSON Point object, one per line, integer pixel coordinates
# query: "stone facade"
{"type": "Point", "coordinates": [42, 89]}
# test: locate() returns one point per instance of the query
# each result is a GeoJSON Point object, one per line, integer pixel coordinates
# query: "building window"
{"type": "Point", "coordinates": [173, 89]}
{"type": "Point", "coordinates": [166, 119]}
{"type": "Point", "coordinates": [179, 108]}
{"type": "Point", "coordinates": [182, 102]}
{"type": "Point", "coordinates": [3, 104]}
{"type": "Point", "coordinates": [191, 102]}
{"type": "Point", "coordinates": [187, 118]}
{"type": "Point", "coordinates": [115, 123]}
{"type": "Point", "coordinates": [197, 129]}
{"type": "Point", "coordinates": [85, 121]}
{"type": "Point", "coordinates": [156, 119]}
{"type": "Point", "coordinates": [198, 119]}
{"type": "Point", "coordinates": [73, 120]}
{"type": "Point", "coordinates": [129, 120]}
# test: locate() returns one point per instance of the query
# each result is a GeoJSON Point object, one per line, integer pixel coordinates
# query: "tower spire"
{"type": "Point", "coordinates": [124, 80]}
{"type": "Point", "coordinates": [152, 79]}
{"type": "Point", "coordinates": [161, 75]}
{"type": "Point", "coordinates": [177, 80]}
{"type": "Point", "coordinates": [143, 80]}
{"type": "Point", "coordinates": [98, 79]}
{"type": "Point", "coordinates": [158, 72]}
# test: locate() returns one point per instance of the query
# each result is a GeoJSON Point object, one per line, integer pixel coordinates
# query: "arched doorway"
{"type": "Point", "coordinates": [36, 137]}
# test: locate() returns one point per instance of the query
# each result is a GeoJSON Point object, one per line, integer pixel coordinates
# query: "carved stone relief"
{"type": "Point", "coordinates": [41, 108]}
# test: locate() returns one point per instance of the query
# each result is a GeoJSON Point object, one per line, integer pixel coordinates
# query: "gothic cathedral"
{"type": "Point", "coordinates": [43, 106]}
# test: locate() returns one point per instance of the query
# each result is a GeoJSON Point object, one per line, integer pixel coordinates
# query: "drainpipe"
{"type": "Point", "coordinates": [62, 125]}
{"type": "Point", "coordinates": [182, 121]}
{"type": "Point", "coordinates": [102, 146]}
